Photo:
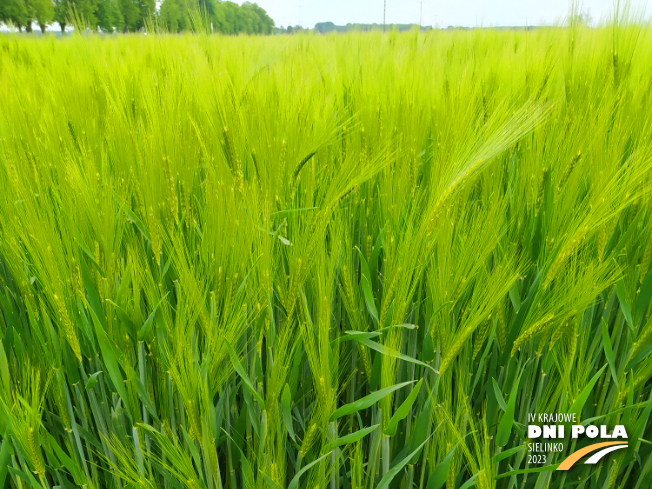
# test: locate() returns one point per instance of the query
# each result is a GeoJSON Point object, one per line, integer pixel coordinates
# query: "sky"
{"type": "Point", "coordinates": [441, 13]}
{"type": "Point", "coordinates": [436, 13]}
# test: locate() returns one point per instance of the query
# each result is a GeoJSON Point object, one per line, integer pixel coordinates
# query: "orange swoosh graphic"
{"type": "Point", "coordinates": [575, 456]}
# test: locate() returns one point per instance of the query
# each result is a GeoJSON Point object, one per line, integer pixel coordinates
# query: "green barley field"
{"type": "Point", "coordinates": [343, 261]}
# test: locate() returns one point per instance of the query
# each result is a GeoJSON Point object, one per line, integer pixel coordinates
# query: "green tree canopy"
{"type": "Point", "coordinates": [174, 15]}
{"type": "Point", "coordinates": [108, 15]}
{"type": "Point", "coordinates": [131, 15]}
{"type": "Point", "coordinates": [226, 17]}
{"type": "Point", "coordinates": [61, 12]}
{"type": "Point", "coordinates": [14, 12]}
{"type": "Point", "coordinates": [42, 12]}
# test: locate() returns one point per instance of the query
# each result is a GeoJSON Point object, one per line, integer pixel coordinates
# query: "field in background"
{"type": "Point", "coordinates": [323, 261]}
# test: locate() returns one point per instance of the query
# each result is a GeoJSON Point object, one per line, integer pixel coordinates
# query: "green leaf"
{"type": "Point", "coordinates": [110, 357]}
{"type": "Point", "coordinates": [135, 220]}
{"type": "Point", "coordinates": [26, 476]}
{"type": "Point", "coordinates": [365, 285]}
{"type": "Point", "coordinates": [375, 371]}
{"type": "Point", "coordinates": [5, 376]}
{"type": "Point", "coordinates": [480, 369]}
{"type": "Point", "coordinates": [92, 380]}
{"type": "Point", "coordinates": [5, 454]}
{"type": "Point", "coordinates": [428, 348]}
{"type": "Point", "coordinates": [271, 482]}
{"type": "Point", "coordinates": [391, 473]}
{"type": "Point", "coordinates": [350, 438]}
{"type": "Point", "coordinates": [403, 410]}
{"type": "Point", "coordinates": [92, 294]}
{"type": "Point", "coordinates": [359, 335]}
{"type": "Point", "coordinates": [592, 420]}
{"type": "Point", "coordinates": [627, 235]}
{"type": "Point", "coordinates": [241, 372]}
{"type": "Point", "coordinates": [286, 404]}
{"type": "Point", "coordinates": [375, 254]}
{"type": "Point", "coordinates": [608, 351]}
{"type": "Point", "coordinates": [507, 421]}
{"type": "Point", "coordinates": [438, 477]}
{"type": "Point", "coordinates": [67, 462]}
{"type": "Point", "coordinates": [576, 407]}
{"type": "Point", "coordinates": [506, 454]}
{"type": "Point", "coordinates": [295, 480]}
{"type": "Point", "coordinates": [194, 453]}
{"type": "Point", "coordinates": [638, 430]}
{"type": "Point", "coordinates": [471, 481]}
{"type": "Point", "coordinates": [499, 395]}
{"type": "Point", "coordinates": [515, 297]}
{"type": "Point", "coordinates": [145, 328]}
{"type": "Point", "coordinates": [287, 212]}
{"type": "Point", "coordinates": [546, 468]}
{"type": "Point", "coordinates": [643, 298]}
{"type": "Point", "coordinates": [144, 398]}
{"type": "Point", "coordinates": [366, 401]}
{"type": "Point", "coordinates": [645, 352]}
{"type": "Point", "coordinates": [624, 306]}
{"type": "Point", "coordinates": [421, 428]}
{"type": "Point", "coordinates": [388, 351]}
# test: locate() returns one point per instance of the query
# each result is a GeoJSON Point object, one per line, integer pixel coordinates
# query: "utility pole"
{"type": "Point", "coordinates": [421, 15]}
{"type": "Point", "coordinates": [300, 16]}
{"type": "Point", "coordinates": [384, 10]}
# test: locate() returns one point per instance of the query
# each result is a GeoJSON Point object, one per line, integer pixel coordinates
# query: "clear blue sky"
{"type": "Point", "coordinates": [435, 12]}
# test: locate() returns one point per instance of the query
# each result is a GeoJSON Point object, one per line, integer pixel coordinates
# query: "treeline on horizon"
{"type": "Point", "coordinates": [133, 15]}
{"type": "Point", "coordinates": [326, 27]}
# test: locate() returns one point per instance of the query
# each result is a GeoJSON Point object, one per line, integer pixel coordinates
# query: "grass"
{"type": "Point", "coordinates": [323, 261]}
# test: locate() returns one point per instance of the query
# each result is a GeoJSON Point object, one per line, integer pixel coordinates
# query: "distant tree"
{"type": "Point", "coordinates": [208, 8]}
{"type": "Point", "coordinates": [250, 22]}
{"type": "Point", "coordinates": [14, 12]}
{"type": "Point", "coordinates": [29, 15]}
{"type": "Point", "coordinates": [109, 16]}
{"type": "Point", "coordinates": [219, 18]}
{"type": "Point", "coordinates": [580, 18]}
{"type": "Point", "coordinates": [84, 12]}
{"type": "Point", "coordinates": [62, 13]}
{"type": "Point", "coordinates": [226, 17]}
{"type": "Point", "coordinates": [324, 27]}
{"type": "Point", "coordinates": [174, 15]}
{"type": "Point", "coordinates": [77, 11]}
{"type": "Point", "coordinates": [146, 9]}
{"type": "Point", "coordinates": [42, 13]}
{"type": "Point", "coordinates": [130, 14]}
{"type": "Point", "coordinates": [134, 14]}
{"type": "Point", "coordinates": [261, 22]}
